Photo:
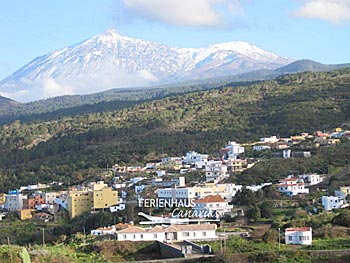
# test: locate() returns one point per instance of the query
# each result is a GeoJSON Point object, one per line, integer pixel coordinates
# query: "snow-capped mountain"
{"type": "Point", "coordinates": [111, 60]}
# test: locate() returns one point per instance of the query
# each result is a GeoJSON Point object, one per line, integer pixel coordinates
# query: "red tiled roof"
{"type": "Point", "coordinates": [171, 228]}
{"type": "Point", "coordinates": [298, 229]}
{"type": "Point", "coordinates": [289, 179]}
{"type": "Point", "coordinates": [210, 199]}
{"type": "Point", "coordinates": [105, 228]}
{"type": "Point", "coordinates": [297, 184]}
{"type": "Point", "coordinates": [133, 229]}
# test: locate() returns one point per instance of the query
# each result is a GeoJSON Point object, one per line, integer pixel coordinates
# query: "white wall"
{"type": "Point", "coordinates": [141, 236]}
{"type": "Point", "coordinates": [331, 202]}
{"type": "Point", "coordinates": [298, 238]}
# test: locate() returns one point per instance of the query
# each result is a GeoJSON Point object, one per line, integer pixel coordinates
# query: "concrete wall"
{"type": "Point", "coordinates": [169, 251]}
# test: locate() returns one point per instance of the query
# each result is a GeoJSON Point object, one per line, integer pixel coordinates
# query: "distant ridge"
{"type": "Point", "coordinates": [6, 102]}
{"type": "Point", "coordinates": [309, 65]}
{"type": "Point", "coordinates": [120, 98]}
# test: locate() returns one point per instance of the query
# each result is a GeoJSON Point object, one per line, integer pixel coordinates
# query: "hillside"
{"type": "Point", "coordinates": [114, 99]}
{"type": "Point", "coordinates": [5, 103]}
{"type": "Point", "coordinates": [103, 101]}
{"type": "Point", "coordinates": [71, 148]}
{"type": "Point", "coordinates": [309, 65]}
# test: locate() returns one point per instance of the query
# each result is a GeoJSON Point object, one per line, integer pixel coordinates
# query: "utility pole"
{"type": "Point", "coordinates": [279, 238]}
{"type": "Point", "coordinates": [221, 244]}
{"type": "Point", "coordinates": [43, 237]}
{"type": "Point", "coordinates": [84, 234]}
{"type": "Point", "coordinates": [225, 241]}
{"type": "Point", "coordinates": [8, 243]}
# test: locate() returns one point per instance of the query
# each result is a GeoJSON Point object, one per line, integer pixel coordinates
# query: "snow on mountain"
{"type": "Point", "coordinates": [111, 60]}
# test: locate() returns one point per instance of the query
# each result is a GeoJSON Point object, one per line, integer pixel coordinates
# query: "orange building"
{"type": "Point", "coordinates": [25, 214]}
{"type": "Point", "coordinates": [32, 201]}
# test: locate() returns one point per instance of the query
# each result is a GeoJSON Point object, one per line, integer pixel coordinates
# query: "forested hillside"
{"type": "Point", "coordinates": [72, 105]}
{"type": "Point", "coordinates": [5, 103]}
{"type": "Point", "coordinates": [71, 148]}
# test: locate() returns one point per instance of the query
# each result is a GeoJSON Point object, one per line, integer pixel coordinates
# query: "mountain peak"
{"type": "Point", "coordinates": [112, 60]}
{"type": "Point", "coordinates": [110, 35]}
{"type": "Point", "coordinates": [231, 45]}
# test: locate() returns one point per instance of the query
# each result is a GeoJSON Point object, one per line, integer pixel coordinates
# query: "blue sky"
{"type": "Point", "coordinates": [315, 29]}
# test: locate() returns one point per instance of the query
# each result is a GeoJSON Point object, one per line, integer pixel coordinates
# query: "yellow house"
{"type": "Point", "coordinates": [345, 190]}
{"type": "Point", "coordinates": [105, 198]}
{"type": "Point", "coordinates": [2, 198]}
{"type": "Point", "coordinates": [209, 189]}
{"type": "Point", "coordinates": [100, 197]}
{"type": "Point", "coordinates": [79, 202]}
{"type": "Point", "coordinates": [25, 214]}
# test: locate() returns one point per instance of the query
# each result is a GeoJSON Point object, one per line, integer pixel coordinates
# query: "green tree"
{"type": "Point", "coordinates": [342, 219]}
{"type": "Point", "coordinates": [253, 213]}
{"type": "Point", "coordinates": [266, 209]}
{"type": "Point", "coordinates": [270, 235]}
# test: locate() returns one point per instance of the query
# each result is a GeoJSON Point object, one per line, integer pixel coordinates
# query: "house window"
{"type": "Point", "coordinates": [134, 236]}
{"type": "Point", "coordinates": [186, 234]}
{"type": "Point", "coordinates": [204, 234]}
{"type": "Point", "coordinates": [124, 236]}
{"type": "Point", "coordinates": [290, 238]}
{"type": "Point", "coordinates": [141, 236]}
{"type": "Point", "coordinates": [155, 235]}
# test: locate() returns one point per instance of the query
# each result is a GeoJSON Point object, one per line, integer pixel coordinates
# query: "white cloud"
{"type": "Point", "coordinates": [107, 77]}
{"type": "Point", "coordinates": [18, 95]}
{"type": "Point", "coordinates": [52, 89]}
{"type": "Point", "coordinates": [334, 11]}
{"type": "Point", "coordinates": [193, 13]}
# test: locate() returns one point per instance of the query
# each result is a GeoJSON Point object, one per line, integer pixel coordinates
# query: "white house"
{"type": "Point", "coordinates": [292, 186]}
{"type": "Point", "coordinates": [117, 208]}
{"type": "Point", "coordinates": [139, 188]}
{"type": "Point", "coordinates": [226, 191]}
{"type": "Point", "coordinates": [215, 171]}
{"type": "Point", "coordinates": [271, 139]}
{"type": "Point", "coordinates": [261, 147]}
{"type": "Point", "coordinates": [61, 200]}
{"type": "Point", "coordinates": [332, 202]}
{"type": "Point", "coordinates": [287, 153]}
{"type": "Point", "coordinates": [50, 197]}
{"type": "Point", "coordinates": [41, 207]}
{"type": "Point", "coordinates": [2, 216]}
{"type": "Point", "coordinates": [119, 185]}
{"type": "Point", "coordinates": [212, 205]}
{"type": "Point", "coordinates": [312, 179]}
{"type": "Point", "coordinates": [101, 231]}
{"type": "Point", "coordinates": [179, 182]}
{"type": "Point", "coordinates": [161, 173]}
{"type": "Point", "coordinates": [185, 193]}
{"type": "Point", "coordinates": [14, 201]}
{"type": "Point", "coordinates": [298, 236]}
{"type": "Point", "coordinates": [170, 233]}
{"type": "Point", "coordinates": [255, 188]}
{"type": "Point", "coordinates": [194, 157]}
{"type": "Point", "coordinates": [233, 150]}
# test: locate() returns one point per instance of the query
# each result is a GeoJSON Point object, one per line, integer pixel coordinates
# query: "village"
{"type": "Point", "coordinates": [184, 199]}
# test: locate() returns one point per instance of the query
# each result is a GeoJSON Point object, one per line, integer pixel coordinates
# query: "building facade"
{"type": "Point", "coordinates": [332, 202]}
{"type": "Point", "coordinates": [212, 205]}
{"type": "Point", "coordinates": [298, 236]}
{"type": "Point", "coordinates": [14, 201]}
{"type": "Point", "coordinates": [169, 234]}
